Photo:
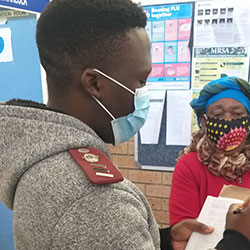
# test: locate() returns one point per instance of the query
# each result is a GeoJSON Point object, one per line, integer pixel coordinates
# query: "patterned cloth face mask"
{"type": "Point", "coordinates": [227, 134]}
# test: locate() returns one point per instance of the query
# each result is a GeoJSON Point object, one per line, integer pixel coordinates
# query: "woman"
{"type": "Point", "coordinates": [219, 152]}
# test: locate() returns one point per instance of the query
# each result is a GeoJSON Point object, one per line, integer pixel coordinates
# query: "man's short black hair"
{"type": "Point", "coordinates": [78, 34]}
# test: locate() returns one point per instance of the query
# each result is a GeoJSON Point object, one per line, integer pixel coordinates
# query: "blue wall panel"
{"type": "Point", "coordinates": [6, 233]}
{"type": "Point", "coordinates": [19, 79]}
{"type": "Point", "coordinates": [22, 77]}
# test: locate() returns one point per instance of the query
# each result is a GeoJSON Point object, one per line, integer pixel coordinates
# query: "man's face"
{"type": "Point", "coordinates": [134, 68]}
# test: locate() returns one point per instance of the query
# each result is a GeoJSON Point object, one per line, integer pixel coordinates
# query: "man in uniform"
{"type": "Point", "coordinates": [55, 170]}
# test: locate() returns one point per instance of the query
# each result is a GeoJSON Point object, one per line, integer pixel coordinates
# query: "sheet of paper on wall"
{"type": "Point", "coordinates": [221, 22]}
{"type": "Point", "coordinates": [151, 129]}
{"type": "Point", "coordinates": [6, 54]}
{"type": "Point", "coordinates": [179, 115]}
{"type": "Point", "coordinates": [213, 213]}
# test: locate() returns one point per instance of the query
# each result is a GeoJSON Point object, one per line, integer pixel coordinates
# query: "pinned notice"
{"type": "Point", "coordinates": [6, 54]}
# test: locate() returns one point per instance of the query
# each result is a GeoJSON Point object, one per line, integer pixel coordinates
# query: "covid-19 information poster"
{"type": "Point", "coordinates": [169, 29]}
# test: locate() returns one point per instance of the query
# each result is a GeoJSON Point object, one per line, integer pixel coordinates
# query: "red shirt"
{"type": "Point", "coordinates": [192, 183]}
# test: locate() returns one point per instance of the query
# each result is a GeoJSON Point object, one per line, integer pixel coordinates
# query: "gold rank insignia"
{"type": "Point", "coordinates": [83, 150]}
{"type": "Point", "coordinates": [96, 165]}
{"type": "Point", "coordinates": [90, 157]}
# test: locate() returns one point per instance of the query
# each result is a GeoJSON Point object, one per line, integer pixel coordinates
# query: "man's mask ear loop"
{"type": "Point", "coordinates": [113, 118]}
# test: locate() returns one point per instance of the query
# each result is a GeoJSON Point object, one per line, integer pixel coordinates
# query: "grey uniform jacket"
{"type": "Point", "coordinates": [54, 204]}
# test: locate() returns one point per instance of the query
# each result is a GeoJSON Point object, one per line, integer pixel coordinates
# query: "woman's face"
{"type": "Point", "coordinates": [227, 109]}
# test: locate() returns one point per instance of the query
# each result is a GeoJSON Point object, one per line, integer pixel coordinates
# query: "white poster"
{"type": "Point", "coordinates": [222, 22]}
{"type": "Point", "coordinates": [6, 54]}
{"type": "Point", "coordinates": [179, 115]}
{"type": "Point", "coordinates": [151, 129]}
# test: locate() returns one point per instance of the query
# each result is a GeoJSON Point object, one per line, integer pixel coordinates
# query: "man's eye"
{"type": "Point", "coordinates": [143, 83]}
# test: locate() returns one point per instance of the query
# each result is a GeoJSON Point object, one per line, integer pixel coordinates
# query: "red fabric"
{"type": "Point", "coordinates": [192, 183]}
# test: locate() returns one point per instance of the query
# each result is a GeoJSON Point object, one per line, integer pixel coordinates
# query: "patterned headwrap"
{"type": "Point", "coordinates": [226, 87]}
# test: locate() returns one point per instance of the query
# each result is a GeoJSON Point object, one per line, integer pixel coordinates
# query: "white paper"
{"type": "Point", "coordinates": [221, 22]}
{"type": "Point", "coordinates": [179, 115]}
{"type": "Point", "coordinates": [213, 213]}
{"type": "Point", "coordinates": [5, 45]}
{"type": "Point", "coordinates": [151, 129]}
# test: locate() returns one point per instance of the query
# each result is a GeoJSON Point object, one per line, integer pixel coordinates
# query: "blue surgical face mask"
{"type": "Point", "coordinates": [127, 126]}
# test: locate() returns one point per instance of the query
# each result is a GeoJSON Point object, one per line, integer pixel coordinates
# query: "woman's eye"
{"type": "Point", "coordinates": [218, 115]}
{"type": "Point", "coordinates": [240, 114]}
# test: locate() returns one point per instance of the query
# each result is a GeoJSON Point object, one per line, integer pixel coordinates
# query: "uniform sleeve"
{"type": "Point", "coordinates": [111, 219]}
{"type": "Point", "coordinates": [166, 241]}
{"type": "Point", "coordinates": [233, 240]}
{"type": "Point", "coordinates": [184, 196]}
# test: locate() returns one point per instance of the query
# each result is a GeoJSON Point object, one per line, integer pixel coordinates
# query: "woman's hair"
{"type": "Point", "coordinates": [229, 167]}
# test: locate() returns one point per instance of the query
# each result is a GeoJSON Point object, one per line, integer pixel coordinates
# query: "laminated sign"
{"type": "Point", "coordinates": [6, 54]}
{"type": "Point", "coordinates": [28, 5]}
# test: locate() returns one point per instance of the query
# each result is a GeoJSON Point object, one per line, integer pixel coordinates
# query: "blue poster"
{"type": "Point", "coordinates": [28, 5]}
{"type": "Point", "coordinates": [169, 29]}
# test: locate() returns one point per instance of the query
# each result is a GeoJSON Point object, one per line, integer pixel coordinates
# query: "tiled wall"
{"type": "Point", "coordinates": [154, 184]}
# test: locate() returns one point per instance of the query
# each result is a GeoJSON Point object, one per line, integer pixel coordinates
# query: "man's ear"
{"type": "Point", "coordinates": [90, 82]}
{"type": "Point", "coordinates": [203, 120]}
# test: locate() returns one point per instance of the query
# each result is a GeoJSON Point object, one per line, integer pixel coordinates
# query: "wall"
{"type": "Point", "coordinates": [25, 65]}
{"type": "Point", "coordinates": [154, 184]}
{"type": "Point", "coordinates": [19, 79]}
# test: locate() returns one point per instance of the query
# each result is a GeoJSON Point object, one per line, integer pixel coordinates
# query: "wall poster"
{"type": "Point", "coordinates": [220, 23]}
{"type": "Point", "coordinates": [169, 29]}
{"type": "Point", "coordinates": [211, 63]}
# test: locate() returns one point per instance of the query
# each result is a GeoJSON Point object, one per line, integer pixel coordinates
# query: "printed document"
{"type": "Point", "coordinates": [213, 213]}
